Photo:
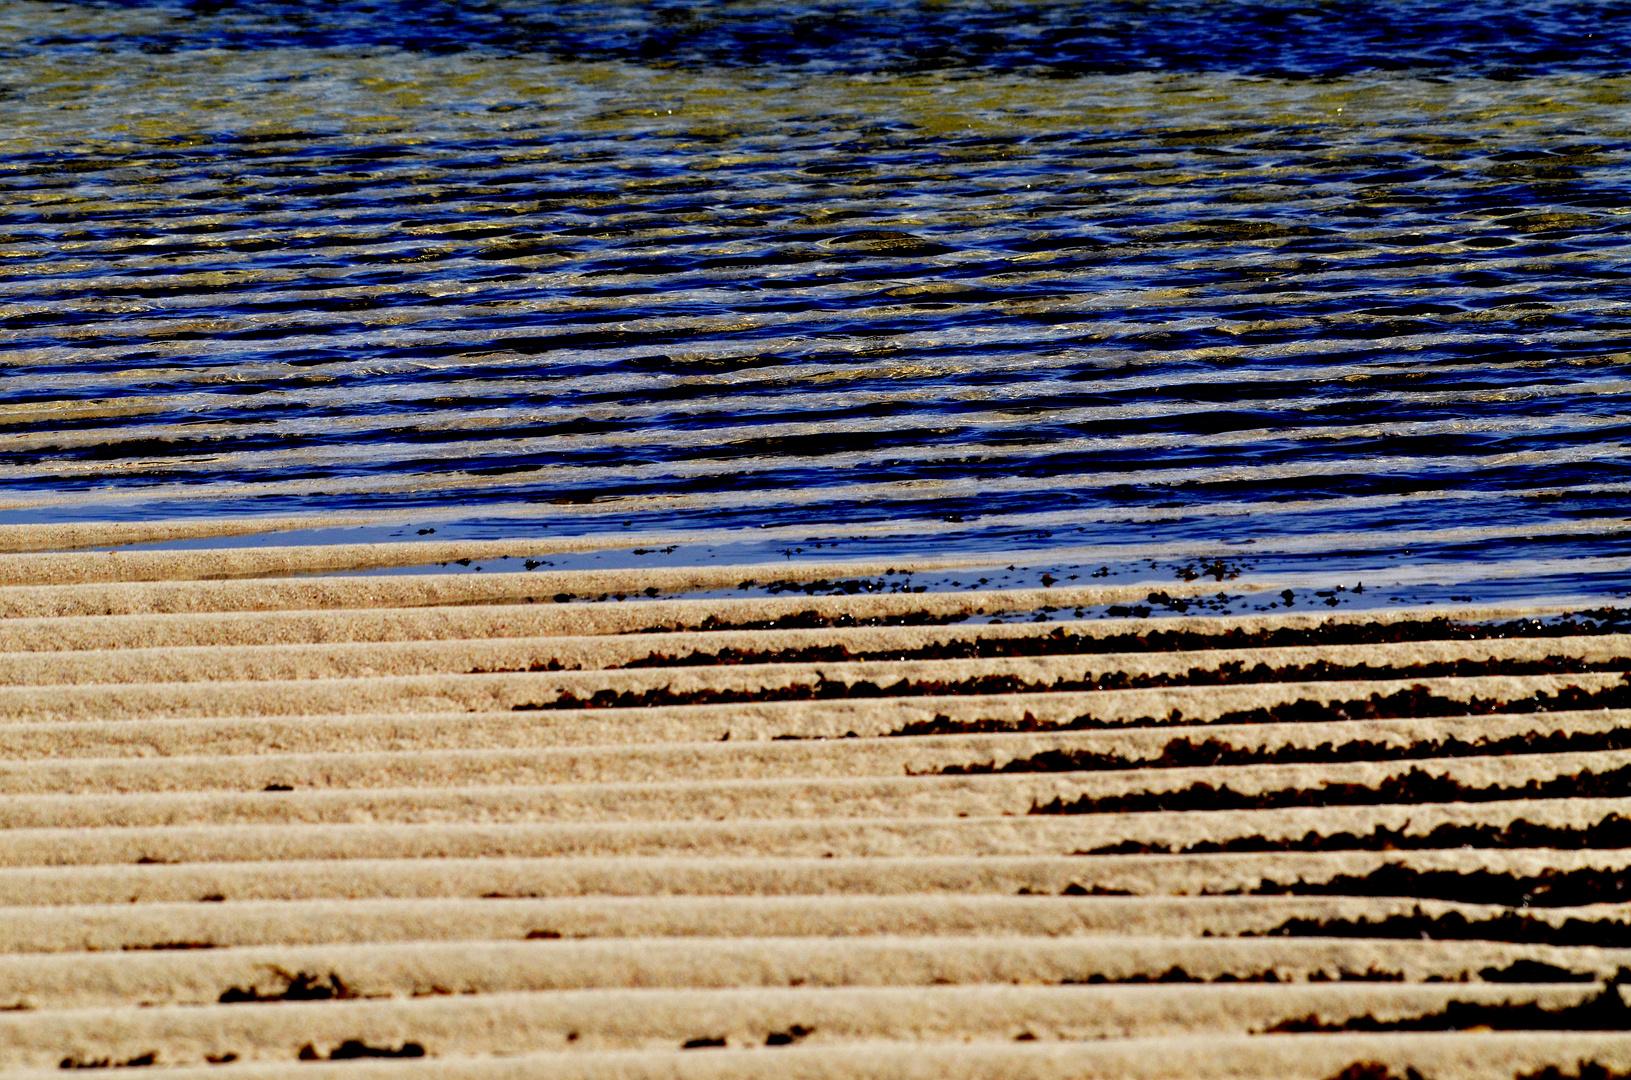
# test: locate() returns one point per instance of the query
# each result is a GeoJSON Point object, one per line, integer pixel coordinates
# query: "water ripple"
{"type": "Point", "coordinates": [1135, 268]}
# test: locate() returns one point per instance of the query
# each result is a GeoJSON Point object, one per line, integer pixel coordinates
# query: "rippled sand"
{"type": "Point", "coordinates": [855, 831]}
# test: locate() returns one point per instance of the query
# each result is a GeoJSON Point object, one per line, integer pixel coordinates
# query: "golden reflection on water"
{"type": "Point", "coordinates": [279, 278]}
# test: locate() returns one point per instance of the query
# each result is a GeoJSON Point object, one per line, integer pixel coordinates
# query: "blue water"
{"type": "Point", "coordinates": [967, 275]}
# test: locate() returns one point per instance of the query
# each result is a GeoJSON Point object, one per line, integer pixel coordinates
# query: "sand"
{"type": "Point", "coordinates": [250, 820]}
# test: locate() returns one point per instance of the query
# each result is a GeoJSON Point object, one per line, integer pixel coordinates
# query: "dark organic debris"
{"type": "Point", "coordinates": [1368, 975]}
{"type": "Point", "coordinates": [1063, 642]}
{"type": "Point", "coordinates": [1414, 703]}
{"type": "Point", "coordinates": [1549, 888]}
{"type": "Point", "coordinates": [1187, 753]}
{"type": "Point", "coordinates": [1177, 974]}
{"type": "Point", "coordinates": [1604, 1011]}
{"type": "Point", "coordinates": [1533, 971]}
{"type": "Point", "coordinates": [535, 666]}
{"type": "Point", "coordinates": [812, 620]}
{"type": "Point", "coordinates": [1374, 1070]}
{"type": "Point", "coordinates": [786, 1038]}
{"type": "Point", "coordinates": [820, 690]}
{"type": "Point", "coordinates": [1231, 674]}
{"type": "Point", "coordinates": [1454, 926]}
{"type": "Point", "coordinates": [352, 1049]}
{"type": "Point", "coordinates": [149, 1058]}
{"type": "Point", "coordinates": [1415, 786]}
{"type": "Point", "coordinates": [1074, 889]}
{"type": "Point", "coordinates": [1612, 831]}
{"type": "Point", "coordinates": [1585, 1070]}
{"type": "Point", "coordinates": [702, 1043]}
{"type": "Point", "coordinates": [1171, 975]}
{"type": "Point", "coordinates": [299, 987]}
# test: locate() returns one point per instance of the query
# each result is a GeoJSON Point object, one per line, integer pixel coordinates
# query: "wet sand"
{"type": "Point", "coordinates": [450, 817]}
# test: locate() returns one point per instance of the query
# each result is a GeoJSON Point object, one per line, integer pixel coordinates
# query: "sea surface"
{"type": "Point", "coordinates": [1337, 285]}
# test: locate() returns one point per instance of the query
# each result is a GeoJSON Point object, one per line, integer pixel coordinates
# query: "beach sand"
{"type": "Point", "coordinates": [508, 824]}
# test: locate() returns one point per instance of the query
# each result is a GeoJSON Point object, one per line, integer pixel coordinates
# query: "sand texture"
{"type": "Point", "coordinates": [569, 824]}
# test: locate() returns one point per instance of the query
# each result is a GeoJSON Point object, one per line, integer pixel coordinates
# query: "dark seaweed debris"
{"type": "Point", "coordinates": [1585, 1070]}
{"type": "Point", "coordinates": [1613, 831]}
{"type": "Point", "coordinates": [793, 1034]}
{"type": "Point", "coordinates": [353, 1049]}
{"type": "Point", "coordinates": [1514, 927]}
{"type": "Point", "coordinates": [1061, 642]}
{"type": "Point", "coordinates": [1533, 971]}
{"type": "Point", "coordinates": [1232, 674]}
{"type": "Point", "coordinates": [822, 689]}
{"type": "Point", "coordinates": [812, 620]}
{"type": "Point", "coordinates": [149, 1058]}
{"type": "Point", "coordinates": [1603, 1011]}
{"type": "Point", "coordinates": [1415, 786]}
{"type": "Point", "coordinates": [1374, 1070]}
{"type": "Point", "coordinates": [1185, 753]}
{"type": "Point", "coordinates": [1173, 974]}
{"type": "Point", "coordinates": [298, 987]}
{"type": "Point", "coordinates": [1416, 702]}
{"type": "Point", "coordinates": [1549, 888]}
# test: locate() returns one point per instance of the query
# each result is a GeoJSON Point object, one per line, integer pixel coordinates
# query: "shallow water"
{"type": "Point", "coordinates": [1346, 283]}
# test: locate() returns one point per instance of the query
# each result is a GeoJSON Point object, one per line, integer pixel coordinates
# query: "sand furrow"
{"type": "Point", "coordinates": [225, 924]}
{"type": "Point", "coordinates": [1151, 878]}
{"type": "Point", "coordinates": [678, 622]}
{"type": "Point", "coordinates": [583, 1021]}
{"type": "Point", "coordinates": [191, 755]}
{"type": "Point", "coordinates": [1480, 1056]}
{"type": "Point", "coordinates": [1017, 835]}
{"type": "Point", "coordinates": [603, 744]}
{"type": "Point", "coordinates": [543, 691]}
{"type": "Point", "coordinates": [501, 799]}
{"type": "Point", "coordinates": [1457, 1056]}
{"type": "Point", "coordinates": [337, 660]}
{"type": "Point", "coordinates": [454, 590]}
{"type": "Point", "coordinates": [259, 974]}
{"type": "Point", "coordinates": [587, 1022]}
